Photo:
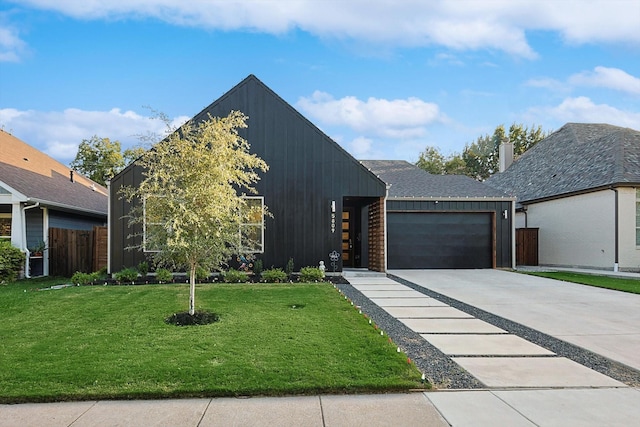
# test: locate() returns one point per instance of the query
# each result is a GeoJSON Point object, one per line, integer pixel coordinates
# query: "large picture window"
{"type": "Point", "coordinates": [153, 231]}
{"type": "Point", "coordinates": [5, 226]}
{"type": "Point", "coordinates": [252, 228]}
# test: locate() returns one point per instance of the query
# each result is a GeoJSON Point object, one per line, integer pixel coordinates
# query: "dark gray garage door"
{"type": "Point", "coordinates": [439, 240]}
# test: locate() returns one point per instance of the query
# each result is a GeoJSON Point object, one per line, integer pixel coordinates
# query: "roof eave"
{"type": "Point", "coordinates": [455, 199]}
{"type": "Point", "coordinates": [66, 207]}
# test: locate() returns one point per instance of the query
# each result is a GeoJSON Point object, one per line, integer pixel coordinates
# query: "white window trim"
{"type": "Point", "coordinates": [254, 224]}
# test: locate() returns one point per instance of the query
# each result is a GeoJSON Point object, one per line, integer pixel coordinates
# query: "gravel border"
{"type": "Point", "coordinates": [598, 363]}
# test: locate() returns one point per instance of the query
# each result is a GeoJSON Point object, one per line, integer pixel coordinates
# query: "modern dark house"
{"type": "Point", "coordinates": [329, 207]}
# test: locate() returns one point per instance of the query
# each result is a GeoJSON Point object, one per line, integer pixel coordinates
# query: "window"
{"type": "Point", "coordinates": [152, 226]}
{"type": "Point", "coordinates": [637, 216]}
{"type": "Point", "coordinates": [252, 229]}
{"type": "Point", "coordinates": [5, 226]}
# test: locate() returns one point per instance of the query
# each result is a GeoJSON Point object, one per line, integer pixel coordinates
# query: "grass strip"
{"type": "Point", "coordinates": [111, 342]}
{"type": "Point", "coordinates": [615, 283]}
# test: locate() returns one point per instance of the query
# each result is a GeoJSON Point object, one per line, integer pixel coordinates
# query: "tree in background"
{"type": "Point", "coordinates": [100, 159]}
{"type": "Point", "coordinates": [480, 159]}
{"type": "Point", "coordinates": [191, 196]}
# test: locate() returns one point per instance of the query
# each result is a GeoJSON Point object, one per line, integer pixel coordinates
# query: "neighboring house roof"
{"type": "Point", "coordinates": [577, 158]}
{"type": "Point", "coordinates": [34, 176]}
{"type": "Point", "coordinates": [409, 181]}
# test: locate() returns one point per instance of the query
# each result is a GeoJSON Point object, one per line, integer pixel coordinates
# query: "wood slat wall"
{"type": "Point", "coordinates": [77, 250]}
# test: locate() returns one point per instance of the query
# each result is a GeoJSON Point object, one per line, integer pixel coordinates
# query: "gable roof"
{"type": "Point", "coordinates": [253, 86]}
{"type": "Point", "coordinates": [33, 176]}
{"type": "Point", "coordinates": [250, 96]}
{"type": "Point", "coordinates": [409, 181]}
{"type": "Point", "coordinates": [577, 158]}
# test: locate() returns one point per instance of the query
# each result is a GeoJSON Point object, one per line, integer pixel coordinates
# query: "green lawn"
{"type": "Point", "coordinates": [107, 342]}
{"type": "Point", "coordinates": [619, 284]}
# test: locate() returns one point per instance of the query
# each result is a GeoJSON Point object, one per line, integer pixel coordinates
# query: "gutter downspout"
{"type": "Point", "coordinates": [384, 216]}
{"type": "Point", "coordinates": [108, 226]}
{"type": "Point", "coordinates": [616, 265]}
{"type": "Point", "coordinates": [513, 233]}
{"type": "Point", "coordinates": [24, 238]}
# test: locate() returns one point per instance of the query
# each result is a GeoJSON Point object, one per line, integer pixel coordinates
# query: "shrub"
{"type": "Point", "coordinates": [11, 261]}
{"type": "Point", "coordinates": [80, 278]}
{"type": "Point", "coordinates": [274, 275]}
{"type": "Point", "coordinates": [257, 268]}
{"type": "Point", "coordinates": [235, 276]}
{"type": "Point", "coordinates": [289, 267]}
{"type": "Point", "coordinates": [310, 274]}
{"type": "Point", "coordinates": [126, 275]}
{"type": "Point", "coordinates": [163, 275]}
{"type": "Point", "coordinates": [143, 268]}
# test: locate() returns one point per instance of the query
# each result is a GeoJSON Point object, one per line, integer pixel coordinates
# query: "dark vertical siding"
{"type": "Point", "coordinates": [307, 170]}
{"type": "Point", "coordinates": [502, 226]}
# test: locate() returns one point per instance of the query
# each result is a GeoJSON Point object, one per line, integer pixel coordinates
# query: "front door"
{"type": "Point", "coordinates": [347, 237]}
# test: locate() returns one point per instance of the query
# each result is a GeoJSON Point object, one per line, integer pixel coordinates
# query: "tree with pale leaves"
{"type": "Point", "coordinates": [191, 200]}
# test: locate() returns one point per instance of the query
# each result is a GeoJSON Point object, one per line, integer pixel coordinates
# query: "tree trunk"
{"type": "Point", "coordinates": [192, 290]}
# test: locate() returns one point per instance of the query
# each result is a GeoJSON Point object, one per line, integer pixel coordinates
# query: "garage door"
{"type": "Point", "coordinates": [439, 240]}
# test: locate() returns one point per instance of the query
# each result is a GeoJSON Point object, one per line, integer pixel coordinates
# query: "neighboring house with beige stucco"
{"type": "Point", "coordinates": [580, 187]}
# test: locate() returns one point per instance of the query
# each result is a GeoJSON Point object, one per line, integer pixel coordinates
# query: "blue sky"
{"type": "Point", "coordinates": [384, 78]}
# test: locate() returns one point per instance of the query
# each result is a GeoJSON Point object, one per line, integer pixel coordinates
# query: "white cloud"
{"type": "Point", "coordinates": [397, 119]}
{"type": "Point", "coordinates": [12, 47]}
{"type": "Point", "coordinates": [610, 78]}
{"type": "Point", "coordinates": [361, 147]}
{"type": "Point", "coordinates": [58, 133]}
{"type": "Point", "coordinates": [584, 110]}
{"type": "Point", "coordinates": [457, 24]}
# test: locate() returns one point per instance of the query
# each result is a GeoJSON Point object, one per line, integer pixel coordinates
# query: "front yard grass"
{"type": "Point", "coordinates": [111, 342]}
{"type": "Point", "coordinates": [616, 283]}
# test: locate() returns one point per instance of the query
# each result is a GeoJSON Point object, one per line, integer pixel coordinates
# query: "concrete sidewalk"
{"type": "Point", "coordinates": [491, 408]}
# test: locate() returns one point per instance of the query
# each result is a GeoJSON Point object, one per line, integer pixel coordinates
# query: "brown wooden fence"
{"type": "Point", "coordinates": [77, 250]}
{"type": "Point", "coordinates": [527, 246]}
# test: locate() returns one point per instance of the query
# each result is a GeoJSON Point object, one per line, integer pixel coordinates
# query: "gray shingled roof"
{"type": "Point", "coordinates": [409, 181]}
{"type": "Point", "coordinates": [576, 158]}
{"type": "Point", "coordinates": [43, 179]}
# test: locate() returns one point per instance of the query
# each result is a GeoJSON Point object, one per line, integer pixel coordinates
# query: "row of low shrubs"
{"type": "Point", "coordinates": [274, 275]}
{"type": "Point", "coordinates": [162, 275]}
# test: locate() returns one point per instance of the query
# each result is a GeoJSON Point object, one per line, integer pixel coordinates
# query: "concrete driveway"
{"type": "Point", "coordinates": [603, 321]}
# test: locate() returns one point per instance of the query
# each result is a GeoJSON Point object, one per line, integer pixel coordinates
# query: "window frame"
{"type": "Point", "coordinates": [261, 225]}
{"type": "Point", "coordinates": [145, 224]}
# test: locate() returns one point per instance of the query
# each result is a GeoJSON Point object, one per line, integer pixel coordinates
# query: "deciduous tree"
{"type": "Point", "coordinates": [98, 158]}
{"type": "Point", "coordinates": [191, 201]}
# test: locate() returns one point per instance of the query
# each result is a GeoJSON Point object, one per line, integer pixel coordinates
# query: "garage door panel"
{"type": "Point", "coordinates": [439, 240]}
